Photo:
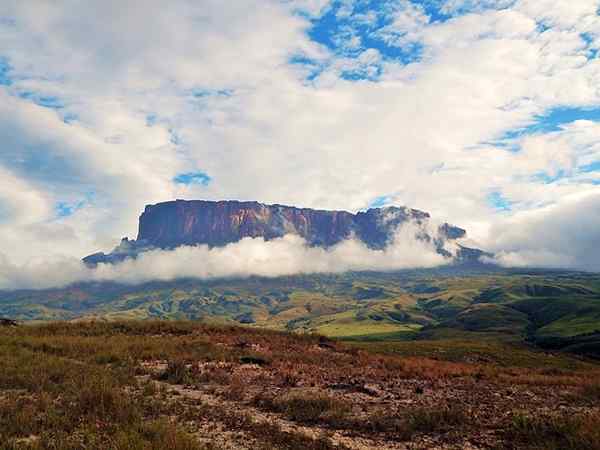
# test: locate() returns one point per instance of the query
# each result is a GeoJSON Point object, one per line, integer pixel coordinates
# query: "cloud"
{"type": "Point", "coordinates": [564, 235]}
{"type": "Point", "coordinates": [457, 6]}
{"type": "Point", "coordinates": [288, 255]}
{"type": "Point", "coordinates": [407, 22]}
{"type": "Point", "coordinates": [137, 94]}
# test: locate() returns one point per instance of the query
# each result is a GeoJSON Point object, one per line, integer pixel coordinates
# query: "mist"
{"type": "Point", "coordinates": [565, 235]}
{"type": "Point", "coordinates": [288, 255]}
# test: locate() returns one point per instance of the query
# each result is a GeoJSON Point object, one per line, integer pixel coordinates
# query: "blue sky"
{"type": "Point", "coordinates": [485, 113]}
{"type": "Point", "coordinates": [193, 178]}
{"type": "Point", "coordinates": [4, 69]}
{"type": "Point", "coordinates": [553, 119]}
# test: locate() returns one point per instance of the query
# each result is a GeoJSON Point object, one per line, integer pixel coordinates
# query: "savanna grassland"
{"type": "Point", "coordinates": [187, 385]}
{"type": "Point", "coordinates": [553, 310]}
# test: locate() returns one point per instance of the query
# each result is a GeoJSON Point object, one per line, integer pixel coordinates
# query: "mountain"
{"type": "Point", "coordinates": [176, 223]}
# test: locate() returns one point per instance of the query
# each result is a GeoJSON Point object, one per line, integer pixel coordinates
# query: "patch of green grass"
{"type": "Point", "coordinates": [381, 337]}
{"type": "Point", "coordinates": [572, 325]}
{"type": "Point", "coordinates": [490, 318]}
{"type": "Point", "coordinates": [430, 420]}
{"type": "Point", "coordinates": [488, 351]}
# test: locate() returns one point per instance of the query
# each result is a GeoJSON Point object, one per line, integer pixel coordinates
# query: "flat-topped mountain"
{"type": "Point", "coordinates": [217, 223]}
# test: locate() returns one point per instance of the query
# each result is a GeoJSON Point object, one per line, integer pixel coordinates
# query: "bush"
{"type": "Point", "coordinates": [307, 407]}
{"type": "Point", "coordinates": [258, 360]}
{"type": "Point", "coordinates": [426, 420]}
{"type": "Point", "coordinates": [591, 392]}
{"type": "Point", "coordinates": [555, 433]}
{"type": "Point", "coordinates": [177, 372]}
{"type": "Point", "coordinates": [100, 399]}
{"type": "Point", "coordinates": [420, 420]}
{"type": "Point", "coordinates": [156, 435]}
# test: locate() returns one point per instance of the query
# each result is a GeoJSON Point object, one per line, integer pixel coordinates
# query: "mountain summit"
{"type": "Point", "coordinates": [176, 223]}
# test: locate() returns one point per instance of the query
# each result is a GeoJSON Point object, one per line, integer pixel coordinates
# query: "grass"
{"type": "Point", "coordinates": [70, 404]}
{"type": "Point", "coordinates": [572, 325]}
{"type": "Point", "coordinates": [353, 306]}
{"type": "Point", "coordinates": [591, 392]}
{"type": "Point", "coordinates": [86, 385]}
{"type": "Point", "coordinates": [404, 335]}
{"type": "Point", "coordinates": [74, 386]}
{"type": "Point", "coordinates": [354, 330]}
{"type": "Point", "coordinates": [555, 433]}
{"type": "Point", "coordinates": [318, 407]}
{"type": "Point", "coordinates": [177, 372]}
{"type": "Point", "coordinates": [306, 407]}
{"type": "Point", "coordinates": [485, 350]}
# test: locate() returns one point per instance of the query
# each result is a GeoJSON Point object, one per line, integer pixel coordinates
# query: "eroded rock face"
{"type": "Point", "coordinates": [172, 224]}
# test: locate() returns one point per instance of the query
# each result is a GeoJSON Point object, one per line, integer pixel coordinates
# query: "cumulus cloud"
{"type": "Point", "coordinates": [407, 22]}
{"type": "Point", "coordinates": [288, 255]}
{"type": "Point", "coordinates": [108, 107]}
{"type": "Point", "coordinates": [563, 235]}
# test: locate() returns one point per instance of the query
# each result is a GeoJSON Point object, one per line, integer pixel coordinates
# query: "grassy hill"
{"type": "Point", "coordinates": [551, 309]}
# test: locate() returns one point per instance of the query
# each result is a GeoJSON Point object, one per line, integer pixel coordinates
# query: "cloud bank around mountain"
{"type": "Point", "coordinates": [288, 255]}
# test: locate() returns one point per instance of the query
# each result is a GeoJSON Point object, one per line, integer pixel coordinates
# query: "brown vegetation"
{"type": "Point", "coordinates": [170, 385]}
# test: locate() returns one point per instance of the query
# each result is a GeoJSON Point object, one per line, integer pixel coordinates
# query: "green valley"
{"type": "Point", "coordinates": [552, 309]}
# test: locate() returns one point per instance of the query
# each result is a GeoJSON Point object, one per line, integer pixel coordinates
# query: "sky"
{"type": "Point", "coordinates": [484, 113]}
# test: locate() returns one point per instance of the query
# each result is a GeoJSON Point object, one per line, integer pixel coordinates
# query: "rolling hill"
{"type": "Point", "coordinates": [551, 309]}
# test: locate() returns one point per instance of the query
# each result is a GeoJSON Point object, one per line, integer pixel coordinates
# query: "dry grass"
{"type": "Point", "coordinates": [78, 386]}
{"type": "Point", "coordinates": [306, 407]}
{"type": "Point", "coordinates": [580, 432]}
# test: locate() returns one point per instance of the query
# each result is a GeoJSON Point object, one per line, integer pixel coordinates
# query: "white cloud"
{"type": "Point", "coordinates": [20, 203]}
{"type": "Point", "coordinates": [224, 99]}
{"type": "Point", "coordinates": [407, 23]}
{"type": "Point", "coordinates": [564, 235]}
{"type": "Point", "coordinates": [576, 145]}
{"type": "Point", "coordinates": [289, 255]}
{"type": "Point", "coordinates": [560, 14]}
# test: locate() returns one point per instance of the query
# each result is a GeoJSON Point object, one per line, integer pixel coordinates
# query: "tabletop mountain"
{"type": "Point", "coordinates": [217, 223]}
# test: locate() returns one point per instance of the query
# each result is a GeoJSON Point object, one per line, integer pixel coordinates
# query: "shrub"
{"type": "Point", "coordinates": [99, 398]}
{"type": "Point", "coordinates": [258, 360]}
{"type": "Point", "coordinates": [177, 372]}
{"type": "Point", "coordinates": [306, 407]}
{"type": "Point", "coordinates": [591, 392]}
{"type": "Point", "coordinates": [156, 435]}
{"type": "Point", "coordinates": [382, 421]}
{"type": "Point", "coordinates": [427, 420]}
{"type": "Point", "coordinates": [555, 433]}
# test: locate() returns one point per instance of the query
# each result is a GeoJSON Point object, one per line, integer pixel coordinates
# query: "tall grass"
{"type": "Point", "coordinates": [560, 432]}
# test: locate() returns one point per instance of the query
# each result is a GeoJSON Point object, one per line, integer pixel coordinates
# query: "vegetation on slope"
{"type": "Point", "coordinates": [184, 385]}
{"type": "Point", "coordinates": [550, 309]}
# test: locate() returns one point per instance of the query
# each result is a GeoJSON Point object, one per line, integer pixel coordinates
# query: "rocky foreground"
{"type": "Point", "coordinates": [190, 386]}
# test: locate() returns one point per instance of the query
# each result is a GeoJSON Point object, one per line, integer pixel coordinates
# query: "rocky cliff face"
{"type": "Point", "coordinates": [171, 224]}
{"type": "Point", "coordinates": [176, 223]}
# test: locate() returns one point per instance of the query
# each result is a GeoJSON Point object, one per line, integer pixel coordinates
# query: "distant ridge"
{"type": "Point", "coordinates": [176, 223]}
